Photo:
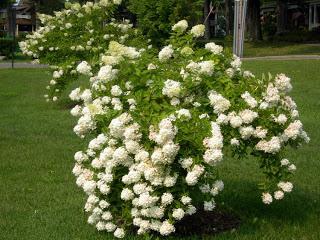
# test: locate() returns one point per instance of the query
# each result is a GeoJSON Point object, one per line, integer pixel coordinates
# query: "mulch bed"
{"type": "Point", "coordinates": [207, 223]}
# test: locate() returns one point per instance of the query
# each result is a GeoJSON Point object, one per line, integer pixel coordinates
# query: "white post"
{"type": "Point", "coordinates": [240, 9]}
{"type": "Point", "coordinates": [315, 15]}
{"type": "Point", "coordinates": [310, 17]}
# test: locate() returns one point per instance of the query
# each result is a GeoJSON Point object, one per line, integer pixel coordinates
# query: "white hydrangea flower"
{"type": "Point", "coordinates": [119, 233]}
{"type": "Point", "coordinates": [234, 142]}
{"type": "Point", "coordinates": [285, 162]}
{"type": "Point", "coordinates": [236, 62]}
{"type": "Point", "coordinates": [107, 73]}
{"type": "Point", "coordinates": [84, 68]}
{"type": "Point", "coordinates": [285, 186]}
{"type": "Point", "coordinates": [166, 53]}
{"type": "Point", "coordinates": [278, 195]}
{"type": "Point", "coordinates": [186, 200]}
{"type": "Point", "coordinates": [184, 113]}
{"type": "Point", "coordinates": [76, 111]}
{"type": "Point", "coordinates": [86, 95]}
{"type": "Point", "coordinates": [191, 210]}
{"type": "Point", "coordinates": [251, 101]}
{"type": "Point", "coordinates": [171, 88]}
{"type": "Point", "coordinates": [166, 199]}
{"type": "Point", "coordinates": [80, 157]}
{"type": "Point", "coordinates": [116, 90]}
{"type": "Point", "coordinates": [193, 176]}
{"type": "Point", "coordinates": [282, 83]}
{"type": "Point", "coordinates": [110, 227]}
{"type": "Point", "coordinates": [281, 119]}
{"type": "Point", "coordinates": [178, 213]}
{"type": "Point", "coordinates": [209, 206]}
{"type": "Point", "coordinates": [266, 198]}
{"type": "Point", "coordinates": [152, 66]}
{"type": "Point", "coordinates": [248, 116]}
{"type": "Point", "coordinates": [206, 67]}
{"type": "Point", "coordinates": [127, 194]}
{"type": "Point", "coordinates": [107, 216]}
{"type": "Point", "coordinates": [219, 103]}
{"type": "Point", "coordinates": [292, 168]}
{"type": "Point", "coordinates": [293, 130]}
{"type": "Point", "coordinates": [180, 26]}
{"type": "Point", "coordinates": [214, 48]}
{"type": "Point", "coordinates": [198, 30]}
{"type": "Point", "coordinates": [235, 121]}
{"type": "Point", "coordinates": [166, 228]}
{"type": "Point", "coordinates": [186, 162]}
{"type": "Point", "coordinates": [272, 146]}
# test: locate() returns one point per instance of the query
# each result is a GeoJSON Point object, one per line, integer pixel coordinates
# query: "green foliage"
{"type": "Point", "coordinates": [5, 3]}
{"type": "Point", "coordinates": [155, 18]}
{"type": "Point", "coordinates": [47, 6]}
{"type": "Point", "coordinates": [6, 45]}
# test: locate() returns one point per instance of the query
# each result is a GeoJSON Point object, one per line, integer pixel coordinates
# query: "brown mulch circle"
{"type": "Point", "coordinates": [205, 223]}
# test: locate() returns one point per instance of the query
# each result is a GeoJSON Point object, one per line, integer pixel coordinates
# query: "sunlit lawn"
{"type": "Point", "coordinates": [267, 48]}
{"type": "Point", "coordinates": [39, 198]}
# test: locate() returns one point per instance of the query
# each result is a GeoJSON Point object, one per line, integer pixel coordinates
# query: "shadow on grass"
{"type": "Point", "coordinates": [246, 203]}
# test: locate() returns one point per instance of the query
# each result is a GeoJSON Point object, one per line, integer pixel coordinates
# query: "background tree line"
{"type": "Point", "coordinates": [155, 17]}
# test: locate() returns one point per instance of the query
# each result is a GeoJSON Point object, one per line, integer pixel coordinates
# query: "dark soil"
{"type": "Point", "coordinates": [207, 223]}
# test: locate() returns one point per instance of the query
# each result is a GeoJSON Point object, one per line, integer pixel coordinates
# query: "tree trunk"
{"type": "Point", "coordinates": [33, 16]}
{"type": "Point", "coordinates": [254, 21]}
{"type": "Point", "coordinates": [229, 16]}
{"type": "Point", "coordinates": [282, 9]}
{"type": "Point", "coordinates": [206, 17]}
{"type": "Point", "coordinates": [10, 21]}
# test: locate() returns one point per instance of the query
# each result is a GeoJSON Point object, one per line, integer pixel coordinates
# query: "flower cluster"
{"type": "Point", "coordinates": [163, 122]}
{"type": "Point", "coordinates": [72, 41]}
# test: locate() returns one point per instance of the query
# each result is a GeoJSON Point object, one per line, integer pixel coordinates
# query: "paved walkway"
{"type": "Point", "coordinates": [21, 65]}
{"type": "Point", "coordinates": [284, 58]}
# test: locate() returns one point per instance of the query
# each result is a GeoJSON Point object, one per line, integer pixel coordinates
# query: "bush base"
{"type": "Point", "coordinates": [203, 223]}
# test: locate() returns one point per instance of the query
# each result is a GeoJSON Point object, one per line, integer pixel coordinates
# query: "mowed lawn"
{"type": "Point", "coordinates": [39, 198]}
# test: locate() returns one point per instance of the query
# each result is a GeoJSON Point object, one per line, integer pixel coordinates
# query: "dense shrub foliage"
{"type": "Point", "coordinates": [162, 121]}
{"type": "Point", "coordinates": [6, 47]}
{"type": "Point", "coordinates": [155, 18]}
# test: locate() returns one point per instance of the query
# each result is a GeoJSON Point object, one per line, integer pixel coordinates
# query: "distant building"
{"type": "Point", "coordinates": [23, 17]}
{"type": "Point", "coordinates": [314, 14]}
{"type": "Point", "coordinates": [305, 15]}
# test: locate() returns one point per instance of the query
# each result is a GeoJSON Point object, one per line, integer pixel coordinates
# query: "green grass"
{"type": "Point", "coordinates": [19, 57]}
{"type": "Point", "coordinates": [261, 49]}
{"type": "Point", "coordinates": [39, 198]}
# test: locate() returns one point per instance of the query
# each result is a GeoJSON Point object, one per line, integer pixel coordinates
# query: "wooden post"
{"type": "Point", "coordinates": [240, 8]}
{"type": "Point", "coordinates": [13, 15]}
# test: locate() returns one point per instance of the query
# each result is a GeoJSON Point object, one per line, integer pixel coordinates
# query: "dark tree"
{"type": "Point", "coordinates": [7, 4]}
{"type": "Point", "coordinates": [229, 16]}
{"type": "Point", "coordinates": [282, 15]}
{"type": "Point", "coordinates": [46, 6]}
{"type": "Point", "coordinates": [206, 11]}
{"type": "Point", "coordinates": [254, 20]}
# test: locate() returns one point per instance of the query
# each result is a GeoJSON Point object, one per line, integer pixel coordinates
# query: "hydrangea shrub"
{"type": "Point", "coordinates": [162, 123]}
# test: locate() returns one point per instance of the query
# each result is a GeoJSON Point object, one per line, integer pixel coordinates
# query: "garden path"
{"type": "Point", "coordinates": [284, 57]}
